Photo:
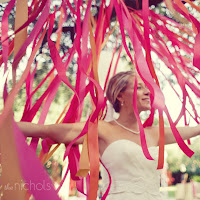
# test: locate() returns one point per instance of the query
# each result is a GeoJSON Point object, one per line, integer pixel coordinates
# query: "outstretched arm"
{"type": "Point", "coordinates": [60, 133]}
{"type": "Point", "coordinates": [185, 132]}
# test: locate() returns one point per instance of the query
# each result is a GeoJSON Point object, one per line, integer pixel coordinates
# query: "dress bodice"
{"type": "Point", "coordinates": [130, 170]}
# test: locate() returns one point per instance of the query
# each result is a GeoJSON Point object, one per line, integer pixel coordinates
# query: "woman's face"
{"type": "Point", "coordinates": [143, 95]}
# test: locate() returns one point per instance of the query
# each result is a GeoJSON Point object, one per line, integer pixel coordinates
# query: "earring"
{"type": "Point", "coordinates": [122, 103]}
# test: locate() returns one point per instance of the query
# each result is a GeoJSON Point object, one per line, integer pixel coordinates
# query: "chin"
{"type": "Point", "coordinates": [146, 108]}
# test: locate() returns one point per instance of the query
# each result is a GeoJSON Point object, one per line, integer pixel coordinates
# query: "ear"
{"type": "Point", "coordinates": [120, 98]}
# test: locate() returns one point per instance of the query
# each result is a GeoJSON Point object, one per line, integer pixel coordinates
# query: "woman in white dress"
{"type": "Point", "coordinates": [133, 176]}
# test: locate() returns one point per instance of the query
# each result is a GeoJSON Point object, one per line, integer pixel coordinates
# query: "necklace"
{"type": "Point", "coordinates": [128, 129]}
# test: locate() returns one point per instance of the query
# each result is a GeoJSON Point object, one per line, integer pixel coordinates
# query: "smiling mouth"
{"type": "Point", "coordinates": [147, 99]}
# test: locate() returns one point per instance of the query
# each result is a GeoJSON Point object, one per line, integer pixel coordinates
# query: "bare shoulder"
{"type": "Point", "coordinates": [152, 129]}
{"type": "Point", "coordinates": [153, 132]}
{"type": "Point", "coordinates": [104, 128]}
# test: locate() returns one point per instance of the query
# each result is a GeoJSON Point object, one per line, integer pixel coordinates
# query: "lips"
{"type": "Point", "coordinates": [146, 99]}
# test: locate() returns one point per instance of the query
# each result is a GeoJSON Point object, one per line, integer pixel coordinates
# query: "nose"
{"type": "Point", "coordinates": [146, 91]}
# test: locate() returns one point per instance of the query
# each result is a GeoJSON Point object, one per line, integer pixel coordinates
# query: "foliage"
{"type": "Point", "coordinates": [178, 159]}
{"type": "Point", "coordinates": [196, 178]}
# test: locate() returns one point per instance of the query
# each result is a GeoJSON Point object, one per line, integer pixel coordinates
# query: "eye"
{"type": "Point", "coordinates": [139, 87]}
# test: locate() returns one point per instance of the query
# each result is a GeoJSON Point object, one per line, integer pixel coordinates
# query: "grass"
{"type": "Point", "coordinates": [170, 189]}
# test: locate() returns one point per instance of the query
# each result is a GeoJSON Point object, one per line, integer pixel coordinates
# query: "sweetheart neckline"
{"type": "Point", "coordinates": [120, 141]}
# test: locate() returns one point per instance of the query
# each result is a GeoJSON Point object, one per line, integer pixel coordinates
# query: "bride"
{"type": "Point", "coordinates": [133, 176]}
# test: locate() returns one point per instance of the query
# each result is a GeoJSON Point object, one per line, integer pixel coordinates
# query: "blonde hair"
{"type": "Point", "coordinates": [117, 84]}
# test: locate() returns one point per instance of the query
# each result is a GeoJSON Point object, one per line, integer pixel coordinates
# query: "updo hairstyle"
{"type": "Point", "coordinates": [117, 84]}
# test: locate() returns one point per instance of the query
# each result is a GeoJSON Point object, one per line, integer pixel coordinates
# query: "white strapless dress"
{"type": "Point", "coordinates": [133, 177]}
